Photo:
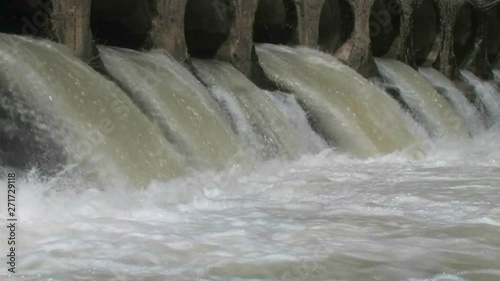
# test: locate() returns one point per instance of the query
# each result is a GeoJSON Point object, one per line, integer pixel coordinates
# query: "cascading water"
{"type": "Point", "coordinates": [466, 110]}
{"type": "Point", "coordinates": [93, 123]}
{"type": "Point", "coordinates": [489, 97]}
{"type": "Point", "coordinates": [427, 105]}
{"type": "Point", "coordinates": [329, 216]}
{"type": "Point", "coordinates": [298, 119]}
{"type": "Point", "coordinates": [350, 112]}
{"type": "Point", "coordinates": [171, 96]}
{"type": "Point", "coordinates": [496, 74]}
{"type": "Point", "coordinates": [257, 119]}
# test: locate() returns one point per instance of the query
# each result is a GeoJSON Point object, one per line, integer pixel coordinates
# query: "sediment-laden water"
{"type": "Point", "coordinates": [323, 217]}
{"type": "Point", "coordinates": [217, 179]}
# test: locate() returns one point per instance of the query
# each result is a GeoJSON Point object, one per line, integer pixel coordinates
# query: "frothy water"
{"type": "Point", "coordinates": [489, 98]}
{"type": "Point", "coordinates": [496, 74]}
{"type": "Point", "coordinates": [302, 212]}
{"type": "Point", "coordinates": [298, 118]}
{"type": "Point", "coordinates": [431, 109]}
{"type": "Point", "coordinates": [466, 110]}
{"type": "Point", "coordinates": [323, 217]}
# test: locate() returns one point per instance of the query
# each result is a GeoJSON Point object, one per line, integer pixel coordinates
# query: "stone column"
{"type": "Point", "coordinates": [401, 46]}
{"type": "Point", "coordinates": [167, 30]}
{"type": "Point", "coordinates": [70, 20]}
{"type": "Point", "coordinates": [448, 12]}
{"type": "Point", "coordinates": [356, 51]}
{"type": "Point", "coordinates": [309, 14]}
{"type": "Point", "coordinates": [238, 48]}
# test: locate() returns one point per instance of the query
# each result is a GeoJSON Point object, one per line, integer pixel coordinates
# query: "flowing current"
{"type": "Point", "coordinates": [323, 217]}
{"type": "Point", "coordinates": [303, 212]}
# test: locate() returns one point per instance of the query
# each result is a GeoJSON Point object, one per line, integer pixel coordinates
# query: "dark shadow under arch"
{"type": "Point", "coordinates": [336, 24]}
{"type": "Point", "coordinates": [275, 22]}
{"type": "Point", "coordinates": [25, 17]}
{"type": "Point", "coordinates": [207, 24]}
{"type": "Point", "coordinates": [493, 35]}
{"type": "Point", "coordinates": [464, 32]}
{"type": "Point", "coordinates": [425, 30]}
{"type": "Point", "coordinates": [385, 22]}
{"type": "Point", "coordinates": [122, 23]}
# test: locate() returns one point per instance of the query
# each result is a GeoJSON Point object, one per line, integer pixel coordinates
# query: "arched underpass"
{"type": "Point", "coordinates": [122, 23]}
{"type": "Point", "coordinates": [207, 24]}
{"type": "Point", "coordinates": [336, 24]}
{"type": "Point", "coordinates": [493, 35]}
{"type": "Point", "coordinates": [425, 30]}
{"type": "Point", "coordinates": [385, 22]}
{"type": "Point", "coordinates": [464, 32]}
{"type": "Point", "coordinates": [25, 17]}
{"type": "Point", "coordinates": [275, 22]}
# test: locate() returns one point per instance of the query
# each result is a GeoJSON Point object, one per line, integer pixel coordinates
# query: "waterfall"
{"type": "Point", "coordinates": [488, 96]}
{"type": "Point", "coordinates": [94, 125]}
{"type": "Point", "coordinates": [466, 110]}
{"type": "Point", "coordinates": [175, 100]}
{"type": "Point", "coordinates": [428, 106]}
{"type": "Point", "coordinates": [298, 120]}
{"type": "Point", "coordinates": [496, 74]}
{"type": "Point", "coordinates": [347, 109]}
{"type": "Point", "coordinates": [257, 119]}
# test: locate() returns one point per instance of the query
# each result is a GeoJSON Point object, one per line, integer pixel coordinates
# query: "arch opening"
{"type": "Point", "coordinates": [336, 24]}
{"type": "Point", "coordinates": [464, 32]}
{"type": "Point", "coordinates": [385, 22]}
{"type": "Point", "coordinates": [26, 17]}
{"type": "Point", "coordinates": [425, 30]}
{"type": "Point", "coordinates": [275, 22]}
{"type": "Point", "coordinates": [207, 25]}
{"type": "Point", "coordinates": [122, 23]}
{"type": "Point", "coordinates": [493, 35]}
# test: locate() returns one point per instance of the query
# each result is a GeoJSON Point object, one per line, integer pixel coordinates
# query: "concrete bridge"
{"type": "Point", "coordinates": [445, 34]}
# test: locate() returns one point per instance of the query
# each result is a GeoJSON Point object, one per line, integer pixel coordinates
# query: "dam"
{"type": "Point", "coordinates": [251, 139]}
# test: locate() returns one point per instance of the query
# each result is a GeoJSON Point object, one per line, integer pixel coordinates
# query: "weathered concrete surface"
{"type": "Point", "coordinates": [309, 15]}
{"type": "Point", "coordinates": [464, 40]}
{"type": "Point", "coordinates": [238, 48]}
{"type": "Point", "coordinates": [441, 33]}
{"type": "Point", "coordinates": [449, 11]}
{"type": "Point", "coordinates": [63, 21]}
{"type": "Point", "coordinates": [356, 51]}
{"type": "Point", "coordinates": [71, 25]}
{"type": "Point", "coordinates": [167, 30]}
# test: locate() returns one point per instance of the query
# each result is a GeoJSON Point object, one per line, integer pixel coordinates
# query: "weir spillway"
{"type": "Point", "coordinates": [196, 85]}
{"type": "Point", "coordinates": [264, 140]}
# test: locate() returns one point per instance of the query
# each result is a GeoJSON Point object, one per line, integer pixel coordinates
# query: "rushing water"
{"type": "Point", "coordinates": [431, 109]}
{"type": "Point", "coordinates": [488, 96]}
{"type": "Point", "coordinates": [323, 217]}
{"type": "Point", "coordinates": [496, 74]}
{"type": "Point", "coordinates": [465, 109]}
{"type": "Point", "coordinates": [302, 212]}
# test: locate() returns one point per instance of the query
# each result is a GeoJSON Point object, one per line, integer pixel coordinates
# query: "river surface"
{"type": "Point", "coordinates": [323, 217]}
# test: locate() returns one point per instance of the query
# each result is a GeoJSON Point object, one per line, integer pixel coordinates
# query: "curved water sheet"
{"type": "Point", "coordinates": [496, 74]}
{"type": "Point", "coordinates": [490, 98]}
{"type": "Point", "coordinates": [255, 117]}
{"type": "Point", "coordinates": [93, 122]}
{"type": "Point", "coordinates": [298, 119]}
{"type": "Point", "coordinates": [466, 110]}
{"type": "Point", "coordinates": [348, 110]}
{"type": "Point", "coordinates": [427, 105]}
{"type": "Point", "coordinates": [182, 107]}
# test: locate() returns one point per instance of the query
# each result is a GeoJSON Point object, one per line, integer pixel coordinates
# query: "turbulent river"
{"type": "Point", "coordinates": [156, 171]}
{"type": "Point", "coordinates": [323, 217]}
